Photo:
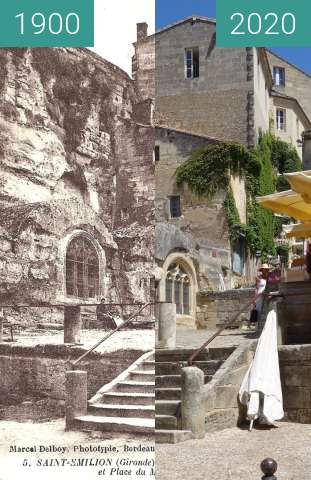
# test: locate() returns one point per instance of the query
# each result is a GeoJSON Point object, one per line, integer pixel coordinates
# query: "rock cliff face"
{"type": "Point", "coordinates": [75, 154]}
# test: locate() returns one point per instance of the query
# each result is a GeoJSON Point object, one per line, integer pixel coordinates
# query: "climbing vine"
{"type": "Point", "coordinates": [208, 171]}
{"type": "Point", "coordinates": [209, 168]}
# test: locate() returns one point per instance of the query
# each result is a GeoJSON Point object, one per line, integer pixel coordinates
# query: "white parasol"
{"type": "Point", "coordinates": [261, 389]}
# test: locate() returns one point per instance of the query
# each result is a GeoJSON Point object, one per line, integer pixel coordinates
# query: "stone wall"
{"type": "Point", "coordinates": [201, 230]}
{"type": "Point", "coordinates": [143, 62]}
{"type": "Point", "coordinates": [76, 149]}
{"type": "Point", "coordinates": [220, 395]}
{"type": "Point", "coordinates": [297, 82]}
{"type": "Point", "coordinates": [201, 105]}
{"type": "Point", "coordinates": [295, 366]}
{"type": "Point", "coordinates": [216, 308]}
{"type": "Point", "coordinates": [37, 375]}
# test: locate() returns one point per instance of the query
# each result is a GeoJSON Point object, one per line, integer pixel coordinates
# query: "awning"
{"type": "Point", "coordinates": [288, 203]}
{"type": "Point", "coordinates": [302, 230]}
{"type": "Point", "coordinates": [301, 183]}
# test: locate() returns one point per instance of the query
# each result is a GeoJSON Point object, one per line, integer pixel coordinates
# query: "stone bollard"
{"type": "Point", "coordinates": [76, 396]}
{"type": "Point", "coordinates": [167, 325]}
{"type": "Point", "coordinates": [192, 405]}
{"type": "Point", "coordinates": [72, 324]}
{"type": "Point", "coordinates": [269, 467]}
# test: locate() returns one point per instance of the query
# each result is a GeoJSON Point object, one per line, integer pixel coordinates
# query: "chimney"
{"type": "Point", "coordinates": [306, 150]}
{"type": "Point", "coordinates": [142, 31]}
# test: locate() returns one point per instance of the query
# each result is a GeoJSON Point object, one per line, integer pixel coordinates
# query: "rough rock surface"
{"type": "Point", "coordinates": [75, 154]}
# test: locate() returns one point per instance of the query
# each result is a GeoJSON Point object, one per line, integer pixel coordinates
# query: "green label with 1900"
{"type": "Point", "coordinates": [47, 23]}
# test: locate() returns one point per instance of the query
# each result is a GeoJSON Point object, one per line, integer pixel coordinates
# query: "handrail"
{"type": "Point", "coordinates": [111, 333]}
{"type": "Point", "coordinates": [219, 331]}
{"type": "Point", "coordinates": [73, 304]}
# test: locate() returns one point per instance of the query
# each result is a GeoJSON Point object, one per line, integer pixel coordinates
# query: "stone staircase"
{"type": "Point", "coordinates": [126, 404]}
{"type": "Point", "coordinates": [168, 367]}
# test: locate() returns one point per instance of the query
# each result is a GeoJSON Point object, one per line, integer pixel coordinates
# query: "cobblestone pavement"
{"type": "Point", "coordinates": [126, 339]}
{"type": "Point", "coordinates": [236, 454]}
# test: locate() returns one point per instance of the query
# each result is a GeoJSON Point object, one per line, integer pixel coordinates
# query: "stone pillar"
{"type": "Point", "coordinates": [192, 405]}
{"type": "Point", "coordinates": [76, 396]}
{"type": "Point", "coordinates": [72, 324]}
{"type": "Point", "coordinates": [167, 325]}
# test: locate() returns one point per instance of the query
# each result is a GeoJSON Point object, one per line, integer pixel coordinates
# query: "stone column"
{"type": "Point", "coordinates": [167, 325]}
{"type": "Point", "coordinates": [76, 396]}
{"type": "Point", "coordinates": [192, 405]}
{"type": "Point", "coordinates": [72, 324]}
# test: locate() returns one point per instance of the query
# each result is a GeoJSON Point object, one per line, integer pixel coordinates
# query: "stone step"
{"type": "Point", "coordinates": [147, 365]}
{"type": "Point", "coordinates": [173, 380]}
{"type": "Point", "coordinates": [184, 354]}
{"type": "Point", "coordinates": [167, 407]}
{"type": "Point", "coordinates": [134, 386]}
{"type": "Point", "coordinates": [172, 436]}
{"type": "Point", "coordinates": [170, 368]}
{"type": "Point", "coordinates": [143, 375]}
{"type": "Point", "coordinates": [166, 422]}
{"type": "Point", "coordinates": [168, 393]}
{"type": "Point", "coordinates": [125, 398]}
{"type": "Point", "coordinates": [115, 410]}
{"type": "Point", "coordinates": [116, 424]}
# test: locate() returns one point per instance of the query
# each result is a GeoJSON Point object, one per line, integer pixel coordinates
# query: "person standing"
{"type": "Point", "coordinates": [261, 283]}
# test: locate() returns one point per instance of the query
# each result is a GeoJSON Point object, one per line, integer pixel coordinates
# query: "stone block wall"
{"type": "Point", "coordinates": [216, 308]}
{"type": "Point", "coordinates": [297, 82]}
{"type": "Point", "coordinates": [295, 366]}
{"type": "Point", "coordinates": [221, 394]}
{"type": "Point", "coordinates": [37, 375]}
{"type": "Point", "coordinates": [202, 105]}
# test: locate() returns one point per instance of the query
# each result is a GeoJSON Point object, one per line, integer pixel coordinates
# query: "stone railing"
{"type": "Point", "coordinates": [215, 406]}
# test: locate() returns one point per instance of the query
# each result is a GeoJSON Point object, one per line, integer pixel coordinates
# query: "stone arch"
{"type": "Point", "coordinates": [178, 283]}
{"type": "Point", "coordinates": [65, 244]}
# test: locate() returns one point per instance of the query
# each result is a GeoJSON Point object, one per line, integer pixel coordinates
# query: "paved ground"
{"type": "Point", "coordinates": [52, 434]}
{"type": "Point", "coordinates": [187, 338]}
{"type": "Point", "coordinates": [236, 454]}
{"type": "Point", "coordinates": [126, 339]}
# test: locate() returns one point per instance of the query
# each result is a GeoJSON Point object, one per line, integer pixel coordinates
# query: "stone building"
{"type": "Point", "coordinates": [291, 80]}
{"type": "Point", "coordinates": [76, 196]}
{"type": "Point", "coordinates": [193, 249]}
{"type": "Point", "coordinates": [205, 94]}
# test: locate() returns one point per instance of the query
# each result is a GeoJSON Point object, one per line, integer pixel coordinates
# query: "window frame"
{"type": "Point", "coordinates": [82, 282]}
{"type": "Point", "coordinates": [157, 153]}
{"type": "Point", "coordinates": [193, 68]}
{"type": "Point", "coordinates": [175, 282]}
{"type": "Point", "coordinates": [281, 126]}
{"type": "Point", "coordinates": [172, 207]}
{"type": "Point", "coordinates": [281, 78]}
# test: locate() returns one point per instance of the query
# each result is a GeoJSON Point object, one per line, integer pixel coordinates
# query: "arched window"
{"type": "Point", "coordinates": [82, 269]}
{"type": "Point", "coordinates": [178, 289]}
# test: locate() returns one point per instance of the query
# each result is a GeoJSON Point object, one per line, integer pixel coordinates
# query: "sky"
{"type": "Point", "coordinates": [115, 28]}
{"type": "Point", "coordinates": [170, 11]}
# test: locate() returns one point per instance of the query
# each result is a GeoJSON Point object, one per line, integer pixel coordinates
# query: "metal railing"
{"type": "Point", "coordinates": [110, 310]}
{"type": "Point", "coordinates": [122, 325]}
{"type": "Point", "coordinates": [219, 331]}
{"type": "Point", "coordinates": [272, 296]}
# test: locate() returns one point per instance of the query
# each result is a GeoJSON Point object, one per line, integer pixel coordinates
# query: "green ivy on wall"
{"type": "Point", "coordinates": [208, 171]}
